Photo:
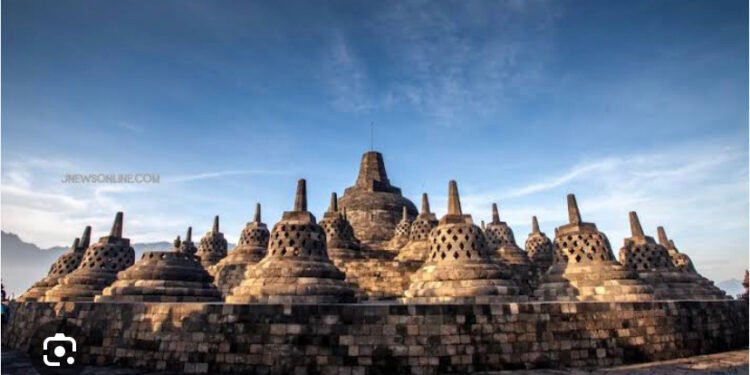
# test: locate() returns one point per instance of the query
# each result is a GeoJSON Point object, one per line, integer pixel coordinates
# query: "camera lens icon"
{"type": "Point", "coordinates": [62, 348]}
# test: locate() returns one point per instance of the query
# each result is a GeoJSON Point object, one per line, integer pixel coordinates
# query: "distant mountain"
{"type": "Point", "coordinates": [24, 263]}
{"type": "Point", "coordinates": [733, 287]}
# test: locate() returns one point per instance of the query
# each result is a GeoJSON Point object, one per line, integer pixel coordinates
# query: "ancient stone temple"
{"type": "Point", "coordinates": [213, 246]}
{"type": "Point", "coordinates": [401, 233]}
{"type": "Point", "coordinates": [374, 205]}
{"type": "Point", "coordinates": [188, 246]}
{"type": "Point", "coordinates": [163, 276]}
{"type": "Point", "coordinates": [98, 269]}
{"type": "Point", "coordinates": [585, 269]}
{"type": "Point", "coordinates": [459, 267]}
{"type": "Point", "coordinates": [417, 248]}
{"type": "Point", "coordinates": [503, 248]}
{"type": "Point", "coordinates": [680, 260]}
{"type": "Point", "coordinates": [250, 249]}
{"type": "Point", "coordinates": [340, 240]}
{"type": "Point", "coordinates": [653, 264]}
{"type": "Point", "coordinates": [539, 247]}
{"type": "Point", "coordinates": [64, 265]}
{"type": "Point", "coordinates": [297, 268]}
{"type": "Point", "coordinates": [745, 285]}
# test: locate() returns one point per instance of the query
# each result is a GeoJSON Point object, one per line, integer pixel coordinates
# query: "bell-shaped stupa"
{"type": "Point", "coordinates": [680, 260]}
{"type": "Point", "coordinates": [503, 248]}
{"type": "Point", "coordinates": [417, 248]}
{"type": "Point", "coordinates": [459, 267]}
{"type": "Point", "coordinates": [98, 269]}
{"type": "Point", "coordinates": [539, 247]}
{"type": "Point", "coordinates": [188, 246]}
{"type": "Point", "coordinates": [653, 264]}
{"type": "Point", "coordinates": [250, 249]}
{"type": "Point", "coordinates": [65, 264]}
{"type": "Point", "coordinates": [213, 246]}
{"type": "Point", "coordinates": [163, 276]}
{"type": "Point", "coordinates": [401, 233]}
{"type": "Point", "coordinates": [374, 205]}
{"type": "Point", "coordinates": [296, 268]}
{"type": "Point", "coordinates": [340, 238]}
{"type": "Point", "coordinates": [585, 269]}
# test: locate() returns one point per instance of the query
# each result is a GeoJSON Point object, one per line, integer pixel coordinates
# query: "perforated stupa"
{"type": "Point", "coordinates": [539, 247]}
{"type": "Point", "coordinates": [296, 268]}
{"type": "Point", "coordinates": [680, 260]}
{"type": "Point", "coordinates": [401, 233]}
{"type": "Point", "coordinates": [98, 269]}
{"type": "Point", "coordinates": [459, 267]}
{"type": "Point", "coordinates": [340, 240]}
{"type": "Point", "coordinates": [213, 246]}
{"type": "Point", "coordinates": [503, 248]}
{"type": "Point", "coordinates": [163, 276]}
{"type": "Point", "coordinates": [374, 205]}
{"type": "Point", "coordinates": [250, 249]}
{"type": "Point", "coordinates": [417, 248]}
{"type": "Point", "coordinates": [585, 269]}
{"type": "Point", "coordinates": [65, 264]}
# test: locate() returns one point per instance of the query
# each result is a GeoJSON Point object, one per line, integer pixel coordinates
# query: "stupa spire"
{"type": "Point", "coordinates": [116, 231]}
{"type": "Point", "coordinates": [574, 215]}
{"type": "Point", "coordinates": [334, 205]}
{"type": "Point", "coordinates": [662, 234]}
{"type": "Point", "coordinates": [257, 213]}
{"type": "Point", "coordinates": [495, 214]}
{"type": "Point", "coordinates": [86, 238]}
{"type": "Point", "coordinates": [372, 174]}
{"type": "Point", "coordinates": [300, 199]}
{"type": "Point", "coordinates": [177, 243]}
{"type": "Point", "coordinates": [189, 236]}
{"type": "Point", "coordinates": [635, 225]}
{"type": "Point", "coordinates": [215, 227]}
{"type": "Point", "coordinates": [404, 214]}
{"type": "Point", "coordinates": [425, 204]}
{"type": "Point", "coordinates": [534, 225]}
{"type": "Point", "coordinates": [454, 201]}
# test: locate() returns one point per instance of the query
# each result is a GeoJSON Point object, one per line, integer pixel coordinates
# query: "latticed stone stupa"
{"type": "Point", "coordinates": [539, 247]}
{"type": "Point", "coordinates": [374, 205]}
{"type": "Point", "coordinates": [213, 246]}
{"type": "Point", "coordinates": [297, 268]}
{"type": "Point", "coordinates": [417, 248]}
{"type": "Point", "coordinates": [585, 269]}
{"type": "Point", "coordinates": [503, 248]}
{"type": "Point", "coordinates": [188, 246]}
{"type": "Point", "coordinates": [680, 260]}
{"type": "Point", "coordinates": [163, 276]}
{"type": "Point", "coordinates": [653, 264]}
{"type": "Point", "coordinates": [340, 239]}
{"type": "Point", "coordinates": [98, 269]}
{"type": "Point", "coordinates": [250, 249]}
{"type": "Point", "coordinates": [401, 233]}
{"type": "Point", "coordinates": [64, 265]}
{"type": "Point", "coordinates": [459, 267]}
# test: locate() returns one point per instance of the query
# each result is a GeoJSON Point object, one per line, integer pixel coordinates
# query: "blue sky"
{"type": "Point", "coordinates": [632, 105]}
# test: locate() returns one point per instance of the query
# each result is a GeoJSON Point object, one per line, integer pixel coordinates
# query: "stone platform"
{"type": "Point", "coordinates": [378, 338]}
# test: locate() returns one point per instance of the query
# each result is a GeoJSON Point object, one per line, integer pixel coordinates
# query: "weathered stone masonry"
{"type": "Point", "coordinates": [389, 338]}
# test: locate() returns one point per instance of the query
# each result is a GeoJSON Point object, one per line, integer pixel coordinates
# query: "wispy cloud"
{"type": "Point", "coordinates": [346, 77]}
{"type": "Point", "coordinates": [220, 174]}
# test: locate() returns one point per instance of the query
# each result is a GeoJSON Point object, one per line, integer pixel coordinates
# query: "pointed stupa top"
{"type": "Point", "coordinates": [256, 217]}
{"type": "Point", "coordinates": [76, 244]}
{"type": "Point", "coordinates": [372, 175]}
{"type": "Point", "coordinates": [116, 231]}
{"type": "Point", "coordinates": [300, 197]}
{"type": "Point", "coordinates": [495, 214]}
{"type": "Point", "coordinates": [636, 230]}
{"type": "Point", "coordinates": [187, 246]}
{"type": "Point", "coordinates": [177, 243]}
{"type": "Point", "coordinates": [85, 238]}
{"type": "Point", "coordinates": [534, 225]}
{"type": "Point", "coordinates": [425, 204]}
{"type": "Point", "coordinates": [482, 225]}
{"type": "Point", "coordinates": [215, 227]}
{"type": "Point", "coordinates": [662, 235]}
{"type": "Point", "coordinates": [334, 205]}
{"type": "Point", "coordinates": [189, 236]}
{"type": "Point", "coordinates": [454, 215]}
{"type": "Point", "coordinates": [574, 215]}
{"type": "Point", "coordinates": [575, 223]}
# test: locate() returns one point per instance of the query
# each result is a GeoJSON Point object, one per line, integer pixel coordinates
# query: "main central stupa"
{"type": "Point", "coordinates": [373, 205]}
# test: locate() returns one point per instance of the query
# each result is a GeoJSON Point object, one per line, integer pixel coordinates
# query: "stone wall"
{"type": "Point", "coordinates": [388, 338]}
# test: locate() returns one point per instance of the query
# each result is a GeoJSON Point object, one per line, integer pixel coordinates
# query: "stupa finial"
{"type": "Point", "coordinates": [116, 231]}
{"type": "Point", "coordinates": [495, 214]}
{"type": "Point", "coordinates": [76, 243]}
{"type": "Point", "coordinates": [425, 204]}
{"type": "Point", "coordinates": [574, 215]}
{"type": "Point", "coordinates": [635, 225]}
{"type": "Point", "coordinates": [257, 213]}
{"type": "Point", "coordinates": [404, 213]}
{"type": "Point", "coordinates": [189, 236]}
{"type": "Point", "coordinates": [534, 225]}
{"type": "Point", "coordinates": [177, 242]}
{"type": "Point", "coordinates": [85, 238]}
{"type": "Point", "coordinates": [662, 234]}
{"type": "Point", "coordinates": [334, 205]}
{"type": "Point", "coordinates": [300, 199]}
{"type": "Point", "coordinates": [454, 201]}
{"type": "Point", "coordinates": [215, 228]}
